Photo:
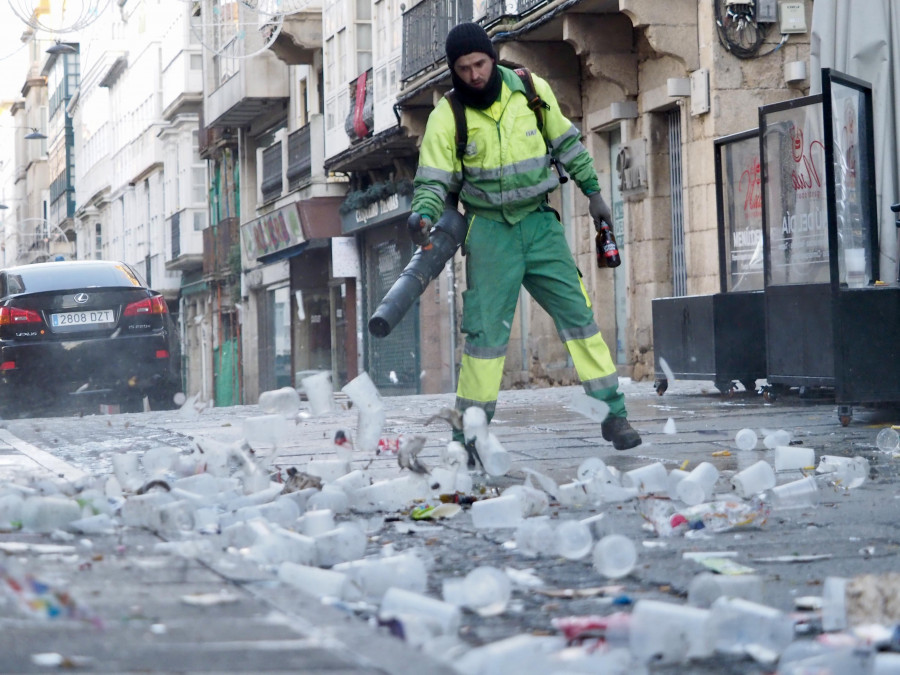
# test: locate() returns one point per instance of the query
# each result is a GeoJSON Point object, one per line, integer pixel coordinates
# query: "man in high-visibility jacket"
{"type": "Point", "coordinates": [515, 239]}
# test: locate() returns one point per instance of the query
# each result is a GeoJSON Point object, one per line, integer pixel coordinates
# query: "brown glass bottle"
{"type": "Point", "coordinates": [607, 249]}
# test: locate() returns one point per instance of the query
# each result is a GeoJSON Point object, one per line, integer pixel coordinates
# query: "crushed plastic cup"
{"type": "Point", "coordinates": [845, 472]}
{"type": "Point", "coordinates": [284, 401]}
{"type": "Point", "coordinates": [572, 539]}
{"type": "Point", "coordinates": [497, 512]}
{"type": "Point", "coordinates": [614, 556]}
{"type": "Point", "coordinates": [486, 591]}
{"type": "Point", "coordinates": [756, 478]}
{"type": "Point", "coordinates": [534, 536]}
{"type": "Point", "coordinates": [797, 494]}
{"type": "Point", "coordinates": [319, 582]}
{"type": "Point", "coordinates": [698, 485]}
{"type": "Point", "coordinates": [595, 469]}
{"type": "Point", "coordinates": [794, 458]}
{"type": "Point", "coordinates": [741, 625]}
{"type": "Point", "coordinates": [706, 587]}
{"type": "Point", "coordinates": [773, 439]}
{"type": "Point", "coordinates": [662, 632]}
{"type": "Point", "coordinates": [648, 479]}
{"type": "Point", "coordinates": [319, 392]}
{"type": "Point", "coordinates": [888, 440]}
{"type": "Point", "coordinates": [746, 439]}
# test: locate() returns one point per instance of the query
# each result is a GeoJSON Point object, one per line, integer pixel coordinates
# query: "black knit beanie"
{"type": "Point", "coordinates": [466, 38]}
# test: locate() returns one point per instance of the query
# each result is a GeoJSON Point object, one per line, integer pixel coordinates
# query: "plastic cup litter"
{"type": "Point", "coordinates": [746, 439]}
{"type": "Point", "coordinates": [614, 556]}
{"type": "Point", "coordinates": [487, 591]}
{"type": "Point", "coordinates": [845, 472]}
{"type": "Point", "coordinates": [794, 458]}
{"type": "Point", "coordinates": [775, 438]}
{"type": "Point", "coordinates": [648, 479]}
{"type": "Point", "coordinates": [698, 485]}
{"type": "Point", "coordinates": [888, 440]}
{"type": "Point", "coordinates": [663, 632]}
{"type": "Point", "coordinates": [498, 512]}
{"type": "Point", "coordinates": [740, 625]}
{"type": "Point", "coordinates": [798, 494]}
{"type": "Point", "coordinates": [573, 539]}
{"type": "Point", "coordinates": [706, 587]}
{"type": "Point", "coordinates": [756, 478]}
{"type": "Point", "coordinates": [319, 392]}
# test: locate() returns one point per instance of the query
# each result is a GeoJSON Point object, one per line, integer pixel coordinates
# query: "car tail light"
{"type": "Point", "coordinates": [10, 316]}
{"type": "Point", "coordinates": [8, 365]}
{"type": "Point", "coordinates": [154, 305]}
{"type": "Point", "coordinates": [162, 353]}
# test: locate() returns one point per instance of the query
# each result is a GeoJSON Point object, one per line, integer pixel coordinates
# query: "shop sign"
{"type": "Point", "coordinates": [376, 213]}
{"type": "Point", "coordinates": [273, 232]}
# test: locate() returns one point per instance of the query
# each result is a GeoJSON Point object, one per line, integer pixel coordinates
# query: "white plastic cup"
{"type": "Point", "coordinates": [746, 439]}
{"type": "Point", "coordinates": [648, 479]}
{"type": "Point", "coordinates": [391, 495]}
{"type": "Point", "coordinates": [269, 431]}
{"type": "Point", "coordinates": [534, 502]}
{"type": "Point", "coordinates": [663, 632]}
{"type": "Point", "coordinates": [475, 424]}
{"type": "Point", "coordinates": [46, 514]}
{"type": "Point", "coordinates": [487, 591]}
{"type": "Point", "coordinates": [329, 497]}
{"type": "Point", "coordinates": [275, 545]}
{"type": "Point", "coordinates": [534, 536]}
{"type": "Point", "coordinates": [328, 470]}
{"type": "Point", "coordinates": [834, 604]}
{"type": "Point", "coordinates": [698, 485]}
{"type": "Point", "coordinates": [434, 616]}
{"type": "Point", "coordinates": [775, 438]}
{"type": "Point", "coordinates": [318, 582]}
{"type": "Point", "coordinates": [284, 401]}
{"type": "Point", "coordinates": [846, 472]}
{"type": "Point", "coordinates": [754, 479]}
{"type": "Point", "coordinates": [675, 477]}
{"type": "Point", "coordinates": [352, 481]}
{"type": "Point", "coordinates": [345, 542]}
{"type": "Point", "coordinates": [454, 455]}
{"type": "Point", "coordinates": [797, 494]}
{"type": "Point", "coordinates": [138, 510]}
{"type": "Point", "coordinates": [614, 556]}
{"type": "Point", "coordinates": [572, 539]}
{"type": "Point", "coordinates": [575, 494]}
{"type": "Point", "coordinates": [376, 575]}
{"type": "Point", "coordinates": [127, 470]}
{"type": "Point", "coordinates": [363, 392]}
{"type": "Point", "coordinates": [594, 469]}
{"type": "Point", "coordinates": [372, 415]}
{"type": "Point", "coordinates": [319, 392]}
{"type": "Point", "coordinates": [173, 518]}
{"type": "Point", "coordinates": [794, 458]}
{"type": "Point", "coordinates": [888, 440]}
{"type": "Point", "coordinates": [494, 457]}
{"type": "Point", "coordinates": [316, 521]}
{"type": "Point", "coordinates": [706, 587]}
{"type": "Point", "coordinates": [159, 460]}
{"type": "Point", "coordinates": [740, 624]}
{"type": "Point", "coordinates": [590, 407]}
{"type": "Point", "coordinates": [498, 512]}
{"type": "Point", "coordinates": [10, 510]}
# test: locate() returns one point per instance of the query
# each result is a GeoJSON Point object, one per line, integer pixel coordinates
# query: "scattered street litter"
{"type": "Point", "coordinates": [746, 439]}
{"type": "Point", "coordinates": [210, 599]}
{"type": "Point", "coordinates": [41, 600]}
{"type": "Point", "coordinates": [714, 516]}
{"type": "Point", "coordinates": [794, 558]}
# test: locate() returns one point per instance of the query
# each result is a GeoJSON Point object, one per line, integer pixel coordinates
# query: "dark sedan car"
{"type": "Point", "coordinates": [84, 330]}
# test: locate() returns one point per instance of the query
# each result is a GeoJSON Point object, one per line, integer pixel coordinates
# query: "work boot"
{"type": "Point", "coordinates": [620, 433]}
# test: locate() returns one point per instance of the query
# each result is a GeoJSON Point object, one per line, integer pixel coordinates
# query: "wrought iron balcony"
{"type": "Point", "coordinates": [271, 184]}
{"type": "Point", "coordinates": [425, 29]}
{"type": "Point", "coordinates": [218, 242]}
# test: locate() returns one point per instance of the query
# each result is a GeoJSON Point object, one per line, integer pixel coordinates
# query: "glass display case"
{"type": "Point", "coordinates": [721, 337]}
{"type": "Point", "coordinates": [830, 321]}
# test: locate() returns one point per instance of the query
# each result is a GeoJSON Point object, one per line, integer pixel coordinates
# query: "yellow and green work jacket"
{"type": "Point", "coordinates": [506, 172]}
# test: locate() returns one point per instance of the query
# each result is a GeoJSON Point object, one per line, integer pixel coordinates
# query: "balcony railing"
{"type": "Point", "coordinates": [425, 29]}
{"type": "Point", "coordinates": [218, 241]}
{"type": "Point", "coordinates": [299, 169]}
{"type": "Point", "coordinates": [271, 184]}
{"type": "Point", "coordinates": [494, 10]}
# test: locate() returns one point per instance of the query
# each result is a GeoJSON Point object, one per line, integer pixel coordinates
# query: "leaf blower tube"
{"type": "Point", "coordinates": [446, 236]}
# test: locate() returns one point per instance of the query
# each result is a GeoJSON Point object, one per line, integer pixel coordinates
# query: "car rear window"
{"type": "Point", "coordinates": [56, 276]}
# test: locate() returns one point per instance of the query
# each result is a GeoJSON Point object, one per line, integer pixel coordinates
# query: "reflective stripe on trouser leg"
{"type": "Point", "coordinates": [494, 271]}
{"type": "Point", "coordinates": [554, 282]}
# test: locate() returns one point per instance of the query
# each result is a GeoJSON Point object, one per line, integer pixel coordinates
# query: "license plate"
{"type": "Point", "coordinates": [82, 318]}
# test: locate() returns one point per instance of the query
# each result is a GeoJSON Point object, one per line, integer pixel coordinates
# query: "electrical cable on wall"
{"type": "Point", "coordinates": [739, 32]}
